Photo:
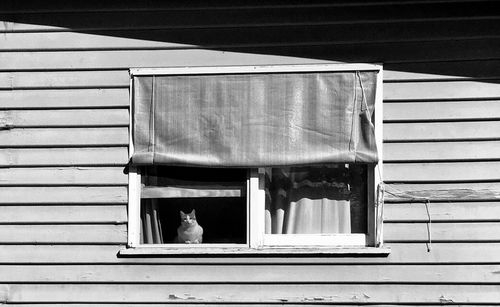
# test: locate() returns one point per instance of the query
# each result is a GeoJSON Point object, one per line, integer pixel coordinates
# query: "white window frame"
{"type": "Point", "coordinates": [257, 240]}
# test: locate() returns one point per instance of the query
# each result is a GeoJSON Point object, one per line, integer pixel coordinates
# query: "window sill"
{"type": "Point", "coordinates": [327, 251]}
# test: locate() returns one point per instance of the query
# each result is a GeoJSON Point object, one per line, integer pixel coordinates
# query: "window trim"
{"type": "Point", "coordinates": [256, 238]}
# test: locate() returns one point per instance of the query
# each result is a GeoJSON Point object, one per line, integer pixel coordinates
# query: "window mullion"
{"type": "Point", "coordinates": [256, 202]}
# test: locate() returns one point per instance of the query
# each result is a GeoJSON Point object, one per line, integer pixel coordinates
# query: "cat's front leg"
{"type": "Point", "coordinates": [188, 242]}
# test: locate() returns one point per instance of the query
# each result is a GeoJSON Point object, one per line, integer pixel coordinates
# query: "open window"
{"type": "Point", "coordinates": [262, 158]}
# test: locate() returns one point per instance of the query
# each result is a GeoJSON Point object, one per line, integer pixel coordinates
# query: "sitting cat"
{"type": "Point", "coordinates": [189, 231]}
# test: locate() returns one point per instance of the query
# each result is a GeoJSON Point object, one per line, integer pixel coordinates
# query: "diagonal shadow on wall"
{"type": "Point", "coordinates": [412, 36]}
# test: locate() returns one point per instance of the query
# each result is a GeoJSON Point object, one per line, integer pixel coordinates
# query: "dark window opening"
{"type": "Point", "coordinates": [217, 196]}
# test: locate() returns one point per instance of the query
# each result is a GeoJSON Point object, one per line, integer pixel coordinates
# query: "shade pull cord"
{"type": "Point", "coordinates": [429, 223]}
{"type": "Point", "coordinates": [152, 117]}
{"type": "Point", "coordinates": [363, 97]}
{"type": "Point", "coordinates": [380, 213]}
{"type": "Point", "coordinates": [354, 112]}
{"type": "Point", "coordinates": [426, 202]}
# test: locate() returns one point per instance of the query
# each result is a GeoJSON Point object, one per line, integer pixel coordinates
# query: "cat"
{"type": "Point", "coordinates": [189, 231]}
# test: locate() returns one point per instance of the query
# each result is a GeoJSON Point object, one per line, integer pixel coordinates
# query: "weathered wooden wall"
{"type": "Point", "coordinates": [63, 148]}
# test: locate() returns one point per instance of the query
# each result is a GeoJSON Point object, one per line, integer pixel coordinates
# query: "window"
{"type": "Point", "coordinates": [217, 196]}
{"type": "Point", "coordinates": [263, 158]}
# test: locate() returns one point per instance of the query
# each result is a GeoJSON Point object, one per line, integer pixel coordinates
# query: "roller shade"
{"type": "Point", "coordinates": [254, 120]}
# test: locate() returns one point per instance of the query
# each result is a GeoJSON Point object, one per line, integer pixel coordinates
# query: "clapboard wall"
{"type": "Point", "coordinates": [64, 114]}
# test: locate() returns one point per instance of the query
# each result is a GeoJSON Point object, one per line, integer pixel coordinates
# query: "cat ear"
{"type": "Point", "coordinates": [193, 212]}
{"type": "Point", "coordinates": [182, 213]}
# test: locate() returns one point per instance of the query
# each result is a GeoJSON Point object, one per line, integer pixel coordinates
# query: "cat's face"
{"type": "Point", "coordinates": [188, 219]}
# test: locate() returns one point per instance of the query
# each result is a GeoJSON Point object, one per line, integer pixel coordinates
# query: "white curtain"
{"type": "Point", "coordinates": [308, 201]}
{"type": "Point", "coordinates": [150, 222]}
{"type": "Point", "coordinates": [150, 217]}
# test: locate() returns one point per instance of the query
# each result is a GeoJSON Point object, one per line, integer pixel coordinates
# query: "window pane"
{"type": "Point", "coordinates": [316, 200]}
{"type": "Point", "coordinates": [217, 196]}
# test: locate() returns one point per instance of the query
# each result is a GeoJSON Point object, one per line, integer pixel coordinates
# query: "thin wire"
{"type": "Point", "coordinates": [363, 97]}
{"type": "Point", "coordinates": [380, 212]}
{"type": "Point", "coordinates": [427, 203]}
{"type": "Point", "coordinates": [379, 175]}
{"type": "Point", "coordinates": [382, 190]}
{"type": "Point", "coordinates": [152, 118]}
{"type": "Point", "coordinates": [351, 139]}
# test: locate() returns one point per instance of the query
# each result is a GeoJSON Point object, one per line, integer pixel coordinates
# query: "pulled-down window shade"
{"type": "Point", "coordinates": [254, 120]}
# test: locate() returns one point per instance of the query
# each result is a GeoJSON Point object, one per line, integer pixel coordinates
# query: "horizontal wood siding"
{"type": "Point", "coordinates": [268, 293]}
{"type": "Point", "coordinates": [64, 116]}
{"type": "Point", "coordinates": [64, 156]}
{"type": "Point", "coordinates": [451, 253]}
{"type": "Point", "coordinates": [256, 273]}
{"type": "Point", "coordinates": [63, 176]}
{"type": "Point", "coordinates": [63, 194]}
{"type": "Point", "coordinates": [55, 214]}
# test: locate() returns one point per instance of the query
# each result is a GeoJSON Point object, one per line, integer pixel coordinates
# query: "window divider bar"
{"type": "Point", "coordinates": [179, 192]}
{"type": "Point", "coordinates": [256, 203]}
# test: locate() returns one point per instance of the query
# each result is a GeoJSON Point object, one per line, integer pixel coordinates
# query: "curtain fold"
{"type": "Point", "coordinates": [151, 225]}
{"type": "Point", "coordinates": [315, 216]}
{"type": "Point", "coordinates": [150, 217]}
{"type": "Point", "coordinates": [254, 120]}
